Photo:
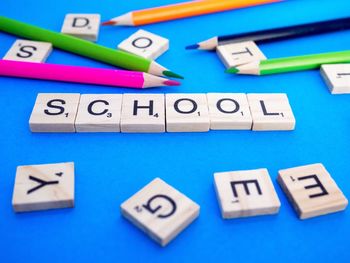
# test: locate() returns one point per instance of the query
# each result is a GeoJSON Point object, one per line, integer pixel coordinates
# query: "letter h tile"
{"type": "Point", "coordinates": [143, 113]}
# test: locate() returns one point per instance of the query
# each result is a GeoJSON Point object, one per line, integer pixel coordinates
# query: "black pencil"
{"type": "Point", "coordinates": [270, 35]}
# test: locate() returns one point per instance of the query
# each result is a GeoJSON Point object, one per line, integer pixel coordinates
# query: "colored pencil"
{"type": "Point", "coordinates": [181, 10]}
{"type": "Point", "coordinates": [290, 64]}
{"type": "Point", "coordinates": [275, 34]}
{"type": "Point", "coordinates": [84, 48]}
{"type": "Point", "coordinates": [87, 75]}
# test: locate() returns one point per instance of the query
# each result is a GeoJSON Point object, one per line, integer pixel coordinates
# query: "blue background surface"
{"type": "Point", "coordinates": [112, 167]}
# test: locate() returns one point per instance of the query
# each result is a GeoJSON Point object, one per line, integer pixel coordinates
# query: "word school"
{"type": "Point", "coordinates": [72, 112]}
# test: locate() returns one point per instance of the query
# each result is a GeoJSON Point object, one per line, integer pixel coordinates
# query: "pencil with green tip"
{"type": "Point", "coordinates": [290, 64]}
{"type": "Point", "coordinates": [84, 48]}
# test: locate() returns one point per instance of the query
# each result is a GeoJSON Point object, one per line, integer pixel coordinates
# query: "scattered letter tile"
{"type": "Point", "coordinates": [145, 44]}
{"type": "Point", "coordinates": [246, 193]}
{"type": "Point", "coordinates": [29, 51]}
{"type": "Point", "coordinates": [236, 54]}
{"type": "Point", "coordinates": [337, 77]}
{"type": "Point", "coordinates": [84, 26]}
{"type": "Point", "coordinates": [160, 211]}
{"type": "Point", "coordinates": [311, 190]}
{"type": "Point", "coordinates": [44, 186]}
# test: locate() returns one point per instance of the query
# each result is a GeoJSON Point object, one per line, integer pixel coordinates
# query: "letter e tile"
{"type": "Point", "coordinates": [311, 190]}
{"type": "Point", "coordinates": [246, 193]}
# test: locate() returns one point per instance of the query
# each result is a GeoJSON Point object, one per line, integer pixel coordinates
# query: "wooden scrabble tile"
{"type": "Point", "coordinates": [246, 193]}
{"type": "Point", "coordinates": [99, 113]}
{"type": "Point", "coordinates": [337, 77]}
{"type": "Point", "coordinates": [145, 44]}
{"type": "Point", "coordinates": [85, 26]}
{"type": "Point", "coordinates": [54, 112]}
{"type": "Point", "coordinates": [143, 113]}
{"type": "Point", "coordinates": [160, 211]}
{"type": "Point", "coordinates": [311, 190]}
{"type": "Point", "coordinates": [29, 51]}
{"type": "Point", "coordinates": [271, 112]}
{"type": "Point", "coordinates": [236, 54]}
{"type": "Point", "coordinates": [187, 112]}
{"type": "Point", "coordinates": [44, 186]}
{"type": "Point", "coordinates": [229, 111]}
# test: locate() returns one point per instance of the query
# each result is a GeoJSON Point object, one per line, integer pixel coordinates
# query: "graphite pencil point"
{"type": "Point", "coordinates": [171, 83]}
{"type": "Point", "coordinates": [169, 73]}
{"type": "Point", "coordinates": [195, 46]}
{"type": "Point", "coordinates": [232, 70]}
{"type": "Point", "coordinates": [108, 23]}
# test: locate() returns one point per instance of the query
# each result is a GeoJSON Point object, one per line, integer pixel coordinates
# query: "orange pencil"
{"type": "Point", "coordinates": [181, 10]}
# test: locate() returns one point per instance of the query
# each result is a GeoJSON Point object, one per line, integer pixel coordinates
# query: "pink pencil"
{"type": "Point", "coordinates": [99, 76]}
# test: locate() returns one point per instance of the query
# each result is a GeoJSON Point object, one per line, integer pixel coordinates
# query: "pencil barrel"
{"type": "Point", "coordinates": [299, 63]}
{"type": "Point", "coordinates": [189, 9]}
{"type": "Point", "coordinates": [75, 45]}
{"type": "Point", "coordinates": [99, 76]}
{"type": "Point", "coordinates": [271, 35]}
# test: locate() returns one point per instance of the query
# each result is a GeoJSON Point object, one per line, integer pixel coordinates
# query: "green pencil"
{"type": "Point", "coordinates": [84, 48]}
{"type": "Point", "coordinates": [289, 64]}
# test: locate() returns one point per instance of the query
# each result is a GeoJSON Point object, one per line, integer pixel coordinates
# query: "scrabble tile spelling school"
{"type": "Point", "coordinates": [72, 112]}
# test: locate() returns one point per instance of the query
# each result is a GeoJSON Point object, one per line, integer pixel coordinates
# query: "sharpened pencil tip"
{"type": "Point", "coordinates": [171, 83]}
{"type": "Point", "coordinates": [195, 46]}
{"type": "Point", "coordinates": [171, 74]}
{"type": "Point", "coordinates": [232, 70]}
{"type": "Point", "coordinates": [108, 23]}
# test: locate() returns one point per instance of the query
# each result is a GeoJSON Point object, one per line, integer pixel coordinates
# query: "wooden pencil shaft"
{"type": "Point", "coordinates": [189, 9]}
{"type": "Point", "coordinates": [299, 63]}
{"type": "Point", "coordinates": [284, 33]}
{"type": "Point", "coordinates": [75, 45]}
{"type": "Point", "coordinates": [77, 74]}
